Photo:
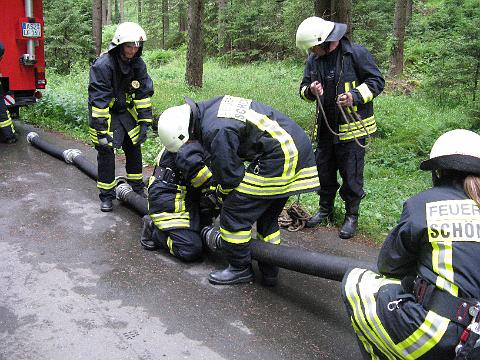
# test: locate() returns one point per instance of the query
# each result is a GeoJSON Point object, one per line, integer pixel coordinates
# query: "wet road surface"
{"type": "Point", "coordinates": [76, 284]}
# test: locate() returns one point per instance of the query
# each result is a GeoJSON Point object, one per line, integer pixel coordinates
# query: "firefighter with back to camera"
{"type": "Point", "coordinates": [344, 79]}
{"type": "Point", "coordinates": [120, 109]}
{"type": "Point", "coordinates": [7, 131]}
{"type": "Point", "coordinates": [177, 204]}
{"type": "Point", "coordinates": [425, 304]}
{"type": "Point", "coordinates": [233, 131]}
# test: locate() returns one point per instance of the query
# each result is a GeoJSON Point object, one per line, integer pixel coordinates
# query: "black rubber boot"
{"type": "Point", "coordinates": [349, 227]}
{"type": "Point", "coordinates": [147, 232]}
{"type": "Point", "coordinates": [232, 275]}
{"type": "Point", "coordinates": [106, 205]}
{"type": "Point", "coordinates": [323, 214]}
{"type": "Point", "coordinates": [11, 140]}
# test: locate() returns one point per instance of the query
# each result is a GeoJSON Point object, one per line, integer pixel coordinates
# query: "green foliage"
{"type": "Point", "coordinates": [67, 34]}
{"type": "Point", "coordinates": [159, 57]}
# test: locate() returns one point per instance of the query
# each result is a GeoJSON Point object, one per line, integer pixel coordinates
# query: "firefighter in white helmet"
{"type": "Point", "coordinates": [120, 109]}
{"type": "Point", "coordinates": [338, 72]}
{"type": "Point", "coordinates": [233, 131]}
{"type": "Point", "coordinates": [7, 131]}
{"type": "Point", "coordinates": [426, 302]}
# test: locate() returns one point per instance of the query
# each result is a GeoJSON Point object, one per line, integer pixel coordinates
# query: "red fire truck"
{"type": "Point", "coordinates": [22, 70]}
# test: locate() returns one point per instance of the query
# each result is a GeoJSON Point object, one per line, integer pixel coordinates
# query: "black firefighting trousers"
{"type": "Point", "coordinates": [348, 159]}
{"type": "Point", "coordinates": [238, 215]}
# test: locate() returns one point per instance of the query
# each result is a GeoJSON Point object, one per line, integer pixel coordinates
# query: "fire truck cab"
{"type": "Point", "coordinates": [22, 70]}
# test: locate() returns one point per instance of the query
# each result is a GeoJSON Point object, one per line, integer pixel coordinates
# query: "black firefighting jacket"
{"type": "Point", "coordinates": [119, 92]}
{"type": "Point", "coordinates": [177, 183]}
{"type": "Point", "coordinates": [6, 124]}
{"type": "Point", "coordinates": [438, 238]}
{"type": "Point", "coordinates": [236, 130]}
{"type": "Point", "coordinates": [356, 72]}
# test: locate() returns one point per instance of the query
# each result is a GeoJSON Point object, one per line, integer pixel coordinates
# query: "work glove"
{"type": "Point", "coordinates": [104, 140]}
{"type": "Point", "coordinates": [143, 133]}
{"type": "Point", "coordinates": [221, 194]}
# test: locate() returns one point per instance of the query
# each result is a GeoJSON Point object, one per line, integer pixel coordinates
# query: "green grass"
{"type": "Point", "coordinates": [407, 125]}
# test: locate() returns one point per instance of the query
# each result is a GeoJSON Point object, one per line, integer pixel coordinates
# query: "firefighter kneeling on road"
{"type": "Point", "coordinates": [177, 203]}
{"type": "Point", "coordinates": [426, 304]}
{"type": "Point", "coordinates": [235, 130]}
{"type": "Point", "coordinates": [120, 109]}
{"type": "Point", "coordinates": [7, 131]}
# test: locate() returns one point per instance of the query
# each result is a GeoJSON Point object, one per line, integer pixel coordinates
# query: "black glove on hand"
{"type": "Point", "coordinates": [104, 140]}
{"type": "Point", "coordinates": [143, 133]}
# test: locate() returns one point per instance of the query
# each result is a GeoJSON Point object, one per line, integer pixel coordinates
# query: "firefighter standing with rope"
{"type": "Point", "coordinates": [344, 79]}
{"type": "Point", "coordinates": [120, 109]}
{"type": "Point", "coordinates": [233, 131]}
{"type": "Point", "coordinates": [7, 131]}
{"type": "Point", "coordinates": [427, 303]}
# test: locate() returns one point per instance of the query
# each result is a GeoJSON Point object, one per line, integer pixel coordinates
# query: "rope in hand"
{"type": "Point", "coordinates": [348, 120]}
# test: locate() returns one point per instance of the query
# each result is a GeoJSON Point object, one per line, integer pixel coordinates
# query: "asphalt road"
{"type": "Point", "coordinates": [76, 284]}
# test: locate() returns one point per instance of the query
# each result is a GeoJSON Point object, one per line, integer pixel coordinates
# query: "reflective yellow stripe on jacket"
{"type": "Point", "coordinates": [361, 288]}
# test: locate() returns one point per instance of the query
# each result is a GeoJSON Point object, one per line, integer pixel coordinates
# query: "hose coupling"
{"type": "Point", "coordinates": [122, 190]}
{"type": "Point", "coordinates": [70, 154]}
{"type": "Point", "coordinates": [31, 135]}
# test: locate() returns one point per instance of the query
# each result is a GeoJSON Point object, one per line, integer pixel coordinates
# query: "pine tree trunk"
{"type": "Point", "coordinates": [409, 11]}
{"type": "Point", "coordinates": [182, 18]}
{"type": "Point", "coordinates": [97, 25]}
{"type": "Point", "coordinates": [109, 12]}
{"type": "Point", "coordinates": [222, 35]}
{"type": "Point", "coordinates": [121, 8]}
{"type": "Point", "coordinates": [104, 11]}
{"type": "Point", "coordinates": [323, 8]}
{"type": "Point", "coordinates": [165, 23]}
{"type": "Point", "coordinates": [396, 58]}
{"type": "Point", "coordinates": [343, 14]}
{"type": "Point", "coordinates": [194, 71]}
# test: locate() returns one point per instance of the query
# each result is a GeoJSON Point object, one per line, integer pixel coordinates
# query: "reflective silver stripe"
{"type": "Point", "coordinates": [290, 151]}
{"type": "Point", "coordinates": [365, 93]}
{"type": "Point", "coordinates": [425, 337]}
{"type": "Point", "coordinates": [143, 103]}
{"type": "Point", "coordinates": [357, 125]}
{"type": "Point", "coordinates": [180, 199]}
{"type": "Point", "coordinates": [239, 237]}
{"type": "Point", "coordinates": [360, 287]}
{"type": "Point", "coordinates": [202, 176]}
{"type": "Point", "coordinates": [106, 186]}
{"type": "Point", "coordinates": [359, 133]}
{"type": "Point", "coordinates": [272, 238]}
{"type": "Point", "coordinates": [135, 176]}
{"type": "Point", "coordinates": [305, 179]}
{"type": "Point", "coordinates": [168, 220]}
{"type": "Point", "coordinates": [97, 112]}
{"type": "Point", "coordinates": [303, 91]}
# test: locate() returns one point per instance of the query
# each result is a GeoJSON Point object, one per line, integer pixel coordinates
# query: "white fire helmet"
{"type": "Point", "coordinates": [128, 32]}
{"type": "Point", "coordinates": [173, 127]}
{"type": "Point", "coordinates": [455, 150]}
{"type": "Point", "coordinates": [315, 31]}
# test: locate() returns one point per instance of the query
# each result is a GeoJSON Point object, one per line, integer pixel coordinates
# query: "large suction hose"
{"type": "Point", "coordinates": [303, 261]}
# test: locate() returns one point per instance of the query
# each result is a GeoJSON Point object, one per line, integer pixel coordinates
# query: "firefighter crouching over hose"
{"type": "Point", "coordinates": [7, 131]}
{"type": "Point", "coordinates": [178, 205]}
{"type": "Point", "coordinates": [281, 163]}
{"type": "Point", "coordinates": [426, 304]}
{"type": "Point", "coordinates": [120, 109]}
{"type": "Point", "coordinates": [344, 79]}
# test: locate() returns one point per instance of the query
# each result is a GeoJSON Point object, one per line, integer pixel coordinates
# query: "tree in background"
{"type": "Point", "coordinates": [97, 25]}
{"type": "Point", "coordinates": [68, 34]}
{"type": "Point", "coordinates": [194, 70]}
{"type": "Point", "coordinates": [399, 24]}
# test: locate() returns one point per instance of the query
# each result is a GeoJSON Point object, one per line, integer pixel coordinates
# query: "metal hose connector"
{"type": "Point", "coordinates": [122, 191]}
{"type": "Point", "coordinates": [30, 136]}
{"type": "Point", "coordinates": [70, 154]}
